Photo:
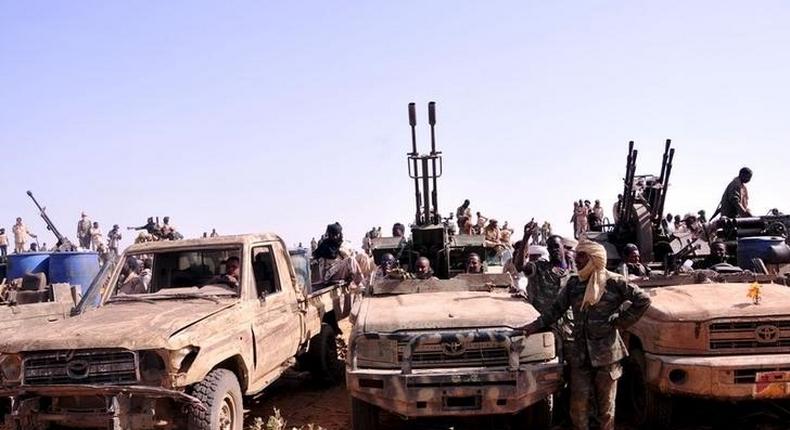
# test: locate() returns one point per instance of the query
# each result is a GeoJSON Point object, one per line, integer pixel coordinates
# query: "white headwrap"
{"type": "Point", "coordinates": [538, 250]}
{"type": "Point", "coordinates": [594, 272]}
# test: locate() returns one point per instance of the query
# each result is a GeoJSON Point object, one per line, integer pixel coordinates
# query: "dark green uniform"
{"type": "Point", "coordinates": [597, 348]}
{"type": "Point", "coordinates": [544, 283]}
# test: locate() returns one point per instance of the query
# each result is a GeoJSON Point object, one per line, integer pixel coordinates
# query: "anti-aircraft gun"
{"type": "Point", "coordinates": [431, 234]}
{"type": "Point", "coordinates": [63, 243]}
{"type": "Point", "coordinates": [639, 214]}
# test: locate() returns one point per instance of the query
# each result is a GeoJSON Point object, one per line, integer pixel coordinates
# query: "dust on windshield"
{"type": "Point", "coordinates": [184, 274]}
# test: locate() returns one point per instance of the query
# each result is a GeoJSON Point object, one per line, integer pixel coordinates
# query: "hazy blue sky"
{"type": "Point", "coordinates": [263, 116]}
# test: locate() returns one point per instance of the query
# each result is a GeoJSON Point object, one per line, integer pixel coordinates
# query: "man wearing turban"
{"type": "Point", "coordinates": [595, 295]}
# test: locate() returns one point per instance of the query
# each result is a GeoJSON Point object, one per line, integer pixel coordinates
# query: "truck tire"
{"type": "Point", "coordinates": [221, 396]}
{"type": "Point", "coordinates": [364, 416]}
{"type": "Point", "coordinates": [536, 417]}
{"type": "Point", "coordinates": [648, 409]}
{"type": "Point", "coordinates": [326, 365]}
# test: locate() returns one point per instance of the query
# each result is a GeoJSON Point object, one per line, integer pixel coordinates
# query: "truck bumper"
{"type": "Point", "coordinates": [445, 392]}
{"type": "Point", "coordinates": [91, 406]}
{"type": "Point", "coordinates": [741, 377]}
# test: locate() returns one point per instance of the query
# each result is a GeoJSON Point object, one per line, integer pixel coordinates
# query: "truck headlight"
{"type": "Point", "coordinates": [372, 352]}
{"type": "Point", "coordinates": [183, 358]}
{"type": "Point", "coordinates": [11, 367]}
{"type": "Point", "coordinates": [537, 347]}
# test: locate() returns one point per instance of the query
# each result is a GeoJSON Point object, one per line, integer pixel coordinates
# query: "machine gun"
{"type": "Point", "coordinates": [673, 261]}
{"type": "Point", "coordinates": [767, 225]}
{"type": "Point", "coordinates": [63, 243]}
{"type": "Point", "coordinates": [642, 207]}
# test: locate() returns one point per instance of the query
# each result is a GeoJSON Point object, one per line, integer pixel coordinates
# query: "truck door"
{"type": "Point", "coordinates": [277, 321]}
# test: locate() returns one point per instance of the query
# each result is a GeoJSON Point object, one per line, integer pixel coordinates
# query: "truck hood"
{"type": "Point", "coordinates": [439, 310]}
{"type": "Point", "coordinates": [702, 302]}
{"type": "Point", "coordinates": [129, 325]}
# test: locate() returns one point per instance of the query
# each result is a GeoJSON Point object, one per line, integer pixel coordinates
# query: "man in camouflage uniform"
{"type": "Point", "coordinates": [596, 296]}
{"type": "Point", "coordinates": [84, 231]}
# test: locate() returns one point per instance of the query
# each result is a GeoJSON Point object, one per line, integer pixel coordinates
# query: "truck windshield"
{"type": "Point", "coordinates": [181, 274]}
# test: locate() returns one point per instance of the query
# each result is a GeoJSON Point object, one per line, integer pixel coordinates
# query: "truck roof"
{"type": "Point", "coordinates": [239, 239]}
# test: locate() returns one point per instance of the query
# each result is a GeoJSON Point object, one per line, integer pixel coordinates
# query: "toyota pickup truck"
{"type": "Point", "coordinates": [711, 340]}
{"type": "Point", "coordinates": [449, 347]}
{"type": "Point", "coordinates": [220, 319]}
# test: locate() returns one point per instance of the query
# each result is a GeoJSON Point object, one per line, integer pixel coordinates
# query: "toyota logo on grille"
{"type": "Point", "coordinates": [77, 369]}
{"type": "Point", "coordinates": [453, 349]}
{"type": "Point", "coordinates": [767, 334]}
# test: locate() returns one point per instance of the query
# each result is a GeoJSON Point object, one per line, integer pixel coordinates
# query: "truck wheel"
{"type": "Point", "coordinates": [536, 417]}
{"type": "Point", "coordinates": [327, 367]}
{"type": "Point", "coordinates": [221, 396]}
{"type": "Point", "coordinates": [364, 416]}
{"type": "Point", "coordinates": [649, 408]}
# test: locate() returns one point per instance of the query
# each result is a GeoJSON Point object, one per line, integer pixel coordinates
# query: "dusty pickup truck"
{"type": "Point", "coordinates": [221, 318]}
{"type": "Point", "coordinates": [436, 347]}
{"type": "Point", "coordinates": [709, 341]}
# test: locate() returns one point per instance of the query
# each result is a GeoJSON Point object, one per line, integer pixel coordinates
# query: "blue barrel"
{"type": "Point", "coordinates": [27, 262]}
{"type": "Point", "coordinates": [755, 247]}
{"type": "Point", "coordinates": [75, 268]}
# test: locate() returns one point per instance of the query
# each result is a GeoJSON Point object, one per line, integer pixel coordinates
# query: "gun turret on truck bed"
{"type": "Point", "coordinates": [449, 345]}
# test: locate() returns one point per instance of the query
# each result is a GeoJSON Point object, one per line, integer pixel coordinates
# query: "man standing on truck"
{"type": "Point", "coordinates": [595, 295]}
{"type": "Point", "coordinates": [463, 214]}
{"type": "Point", "coordinates": [84, 231]}
{"type": "Point", "coordinates": [21, 234]}
{"type": "Point", "coordinates": [334, 262]}
{"type": "Point", "coordinates": [735, 200]}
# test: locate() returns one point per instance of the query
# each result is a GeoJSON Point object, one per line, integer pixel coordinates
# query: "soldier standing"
{"type": "Point", "coordinates": [84, 231]}
{"type": "Point", "coordinates": [21, 234]}
{"type": "Point", "coordinates": [595, 295]}
{"type": "Point", "coordinates": [3, 243]}
{"type": "Point", "coordinates": [113, 238]}
{"type": "Point", "coordinates": [214, 233]}
{"type": "Point", "coordinates": [735, 200]}
{"type": "Point", "coordinates": [463, 214]}
{"type": "Point", "coordinates": [96, 236]}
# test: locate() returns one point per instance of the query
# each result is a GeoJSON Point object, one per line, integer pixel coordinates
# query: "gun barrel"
{"type": "Point", "coordinates": [415, 166]}
{"type": "Point", "coordinates": [434, 195]}
{"type": "Point", "coordinates": [64, 242]}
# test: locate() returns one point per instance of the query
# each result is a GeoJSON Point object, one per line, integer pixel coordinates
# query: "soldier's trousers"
{"type": "Point", "coordinates": [594, 384]}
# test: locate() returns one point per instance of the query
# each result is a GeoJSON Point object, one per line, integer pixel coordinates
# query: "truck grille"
{"type": "Point", "coordinates": [80, 367]}
{"type": "Point", "coordinates": [766, 336]}
{"type": "Point", "coordinates": [443, 355]}
{"type": "Point", "coordinates": [767, 375]}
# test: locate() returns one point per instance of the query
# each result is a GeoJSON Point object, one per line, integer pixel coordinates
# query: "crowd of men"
{"type": "Point", "coordinates": [90, 236]}
{"type": "Point", "coordinates": [587, 217]}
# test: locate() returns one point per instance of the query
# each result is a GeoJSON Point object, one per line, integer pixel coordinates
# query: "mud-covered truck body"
{"type": "Point", "coordinates": [184, 351]}
{"type": "Point", "coordinates": [452, 347]}
{"type": "Point", "coordinates": [710, 341]}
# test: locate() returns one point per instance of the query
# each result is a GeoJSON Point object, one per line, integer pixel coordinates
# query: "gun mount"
{"type": "Point", "coordinates": [431, 234]}
{"type": "Point", "coordinates": [63, 243]}
{"type": "Point", "coordinates": [641, 209]}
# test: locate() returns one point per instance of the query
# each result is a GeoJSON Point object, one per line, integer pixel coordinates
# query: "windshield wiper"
{"type": "Point", "coordinates": [130, 298]}
{"type": "Point", "coordinates": [188, 296]}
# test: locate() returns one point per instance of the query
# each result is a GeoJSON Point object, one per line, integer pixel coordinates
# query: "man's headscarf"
{"type": "Point", "coordinates": [329, 247]}
{"type": "Point", "coordinates": [594, 272]}
{"type": "Point", "coordinates": [542, 251]}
